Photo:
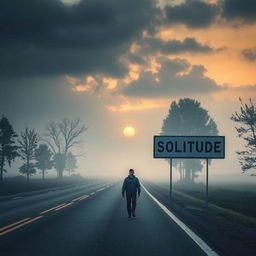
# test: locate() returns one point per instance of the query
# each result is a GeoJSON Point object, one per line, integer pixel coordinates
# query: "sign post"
{"type": "Point", "coordinates": [200, 147]}
{"type": "Point", "coordinates": [207, 182]}
{"type": "Point", "coordinates": [170, 180]}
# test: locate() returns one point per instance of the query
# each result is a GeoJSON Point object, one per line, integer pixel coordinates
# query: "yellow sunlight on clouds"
{"type": "Point", "coordinates": [143, 104]}
{"type": "Point", "coordinates": [81, 88]}
{"type": "Point", "coordinates": [111, 83]}
{"type": "Point", "coordinates": [226, 64]}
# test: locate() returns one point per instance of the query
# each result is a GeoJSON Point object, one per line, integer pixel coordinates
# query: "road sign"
{"type": "Point", "coordinates": [210, 147]}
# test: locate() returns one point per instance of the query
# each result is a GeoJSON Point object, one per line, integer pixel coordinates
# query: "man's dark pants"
{"type": "Point", "coordinates": [131, 203]}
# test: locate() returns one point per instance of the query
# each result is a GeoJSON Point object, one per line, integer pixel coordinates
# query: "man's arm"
{"type": "Point", "coordinates": [138, 186]}
{"type": "Point", "coordinates": [124, 187]}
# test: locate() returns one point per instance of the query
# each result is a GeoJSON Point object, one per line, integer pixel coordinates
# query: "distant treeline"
{"type": "Point", "coordinates": [52, 150]}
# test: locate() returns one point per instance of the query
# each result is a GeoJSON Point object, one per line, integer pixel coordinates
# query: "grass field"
{"type": "Point", "coordinates": [233, 201]}
{"type": "Point", "coordinates": [240, 198]}
{"type": "Point", "coordinates": [18, 184]}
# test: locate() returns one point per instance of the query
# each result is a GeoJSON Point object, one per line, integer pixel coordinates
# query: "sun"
{"type": "Point", "coordinates": [129, 131]}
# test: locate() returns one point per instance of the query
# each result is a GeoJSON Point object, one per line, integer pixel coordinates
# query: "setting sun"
{"type": "Point", "coordinates": [129, 131]}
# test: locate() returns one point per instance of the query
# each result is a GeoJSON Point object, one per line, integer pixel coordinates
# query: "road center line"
{"type": "Point", "coordinates": [13, 224]}
{"type": "Point", "coordinates": [185, 228]}
{"type": "Point", "coordinates": [20, 225]}
{"type": "Point", "coordinates": [65, 205]}
{"type": "Point", "coordinates": [84, 197]}
{"type": "Point", "coordinates": [76, 199]}
{"type": "Point", "coordinates": [100, 189]}
{"type": "Point", "coordinates": [53, 208]}
{"type": "Point", "coordinates": [80, 197]}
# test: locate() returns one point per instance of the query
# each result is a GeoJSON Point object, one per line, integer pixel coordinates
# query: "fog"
{"type": "Point", "coordinates": [108, 153]}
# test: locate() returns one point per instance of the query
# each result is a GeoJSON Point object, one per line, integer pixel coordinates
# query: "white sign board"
{"type": "Point", "coordinates": [189, 147]}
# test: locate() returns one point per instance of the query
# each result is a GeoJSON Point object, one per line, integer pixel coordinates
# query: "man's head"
{"type": "Point", "coordinates": [131, 172]}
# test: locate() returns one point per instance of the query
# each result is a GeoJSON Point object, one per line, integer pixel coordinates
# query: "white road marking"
{"type": "Point", "coordinates": [17, 197]}
{"type": "Point", "coordinates": [100, 189]}
{"type": "Point", "coordinates": [209, 251]}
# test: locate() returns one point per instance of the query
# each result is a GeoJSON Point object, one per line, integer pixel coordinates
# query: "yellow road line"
{"type": "Point", "coordinates": [83, 197]}
{"type": "Point", "coordinates": [79, 198]}
{"type": "Point", "coordinates": [76, 199]}
{"type": "Point", "coordinates": [52, 208]}
{"type": "Point", "coordinates": [63, 206]}
{"type": "Point", "coordinates": [20, 225]}
{"type": "Point", "coordinates": [13, 224]}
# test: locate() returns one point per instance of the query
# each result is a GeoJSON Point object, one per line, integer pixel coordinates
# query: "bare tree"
{"type": "Point", "coordinates": [247, 118]}
{"type": "Point", "coordinates": [62, 136]}
{"type": "Point", "coordinates": [70, 163]}
{"type": "Point", "coordinates": [28, 145]}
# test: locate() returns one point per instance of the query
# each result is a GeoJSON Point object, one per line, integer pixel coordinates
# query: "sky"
{"type": "Point", "coordinates": [121, 63]}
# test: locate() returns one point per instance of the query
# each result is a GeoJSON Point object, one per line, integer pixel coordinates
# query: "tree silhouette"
{"type": "Point", "coordinates": [61, 136]}
{"type": "Point", "coordinates": [187, 117]}
{"type": "Point", "coordinates": [8, 149]}
{"type": "Point", "coordinates": [43, 158]}
{"type": "Point", "coordinates": [70, 163]}
{"type": "Point", "coordinates": [28, 145]}
{"type": "Point", "coordinates": [28, 169]}
{"type": "Point", "coordinates": [59, 163]}
{"type": "Point", "coordinates": [247, 118]}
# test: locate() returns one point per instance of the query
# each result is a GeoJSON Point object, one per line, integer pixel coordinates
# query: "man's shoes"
{"type": "Point", "coordinates": [134, 215]}
{"type": "Point", "coordinates": [129, 216]}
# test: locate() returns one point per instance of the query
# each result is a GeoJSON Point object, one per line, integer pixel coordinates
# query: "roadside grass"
{"type": "Point", "coordinates": [185, 199]}
{"type": "Point", "coordinates": [18, 184]}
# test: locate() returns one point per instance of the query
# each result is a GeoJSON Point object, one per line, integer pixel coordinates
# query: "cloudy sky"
{"type": "Point", "coordinates": [121, 63]}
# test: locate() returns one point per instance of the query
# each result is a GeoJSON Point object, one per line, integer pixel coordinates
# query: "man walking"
{"type": "Point", "coordinates": [131, 187]}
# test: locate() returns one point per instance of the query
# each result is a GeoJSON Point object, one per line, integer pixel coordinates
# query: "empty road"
{"type": "Point", "coordinates": [89, 220]}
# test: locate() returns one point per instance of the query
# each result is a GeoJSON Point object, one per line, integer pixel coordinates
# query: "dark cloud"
{"type": "Point", "coordinates": [243, 10]}
{"type": "Point", "coordinates": [152, 45]}
{"type": "Point", "coordinates": [48, 38]}
{"type": "Point", "coordinates": [175, 78]}
{"type": "Point", "coordinates": [135, 58]}
{"type": "Point", "coordinates": [200, 14]}
{"type": "Point", "coordinates": [192, 13]}
{"type": "Point", "coordinates": [250, 54]}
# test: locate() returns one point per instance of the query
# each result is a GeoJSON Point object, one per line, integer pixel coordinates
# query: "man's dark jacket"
{"type": "Point", "coordinates": [131, 185]}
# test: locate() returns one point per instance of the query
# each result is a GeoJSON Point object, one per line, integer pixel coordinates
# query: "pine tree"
{"type": "Point", "coordinates": [8, 149]}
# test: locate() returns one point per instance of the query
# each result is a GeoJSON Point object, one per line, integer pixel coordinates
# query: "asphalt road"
{"type": "Point", "coordinates": [89, 220]}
